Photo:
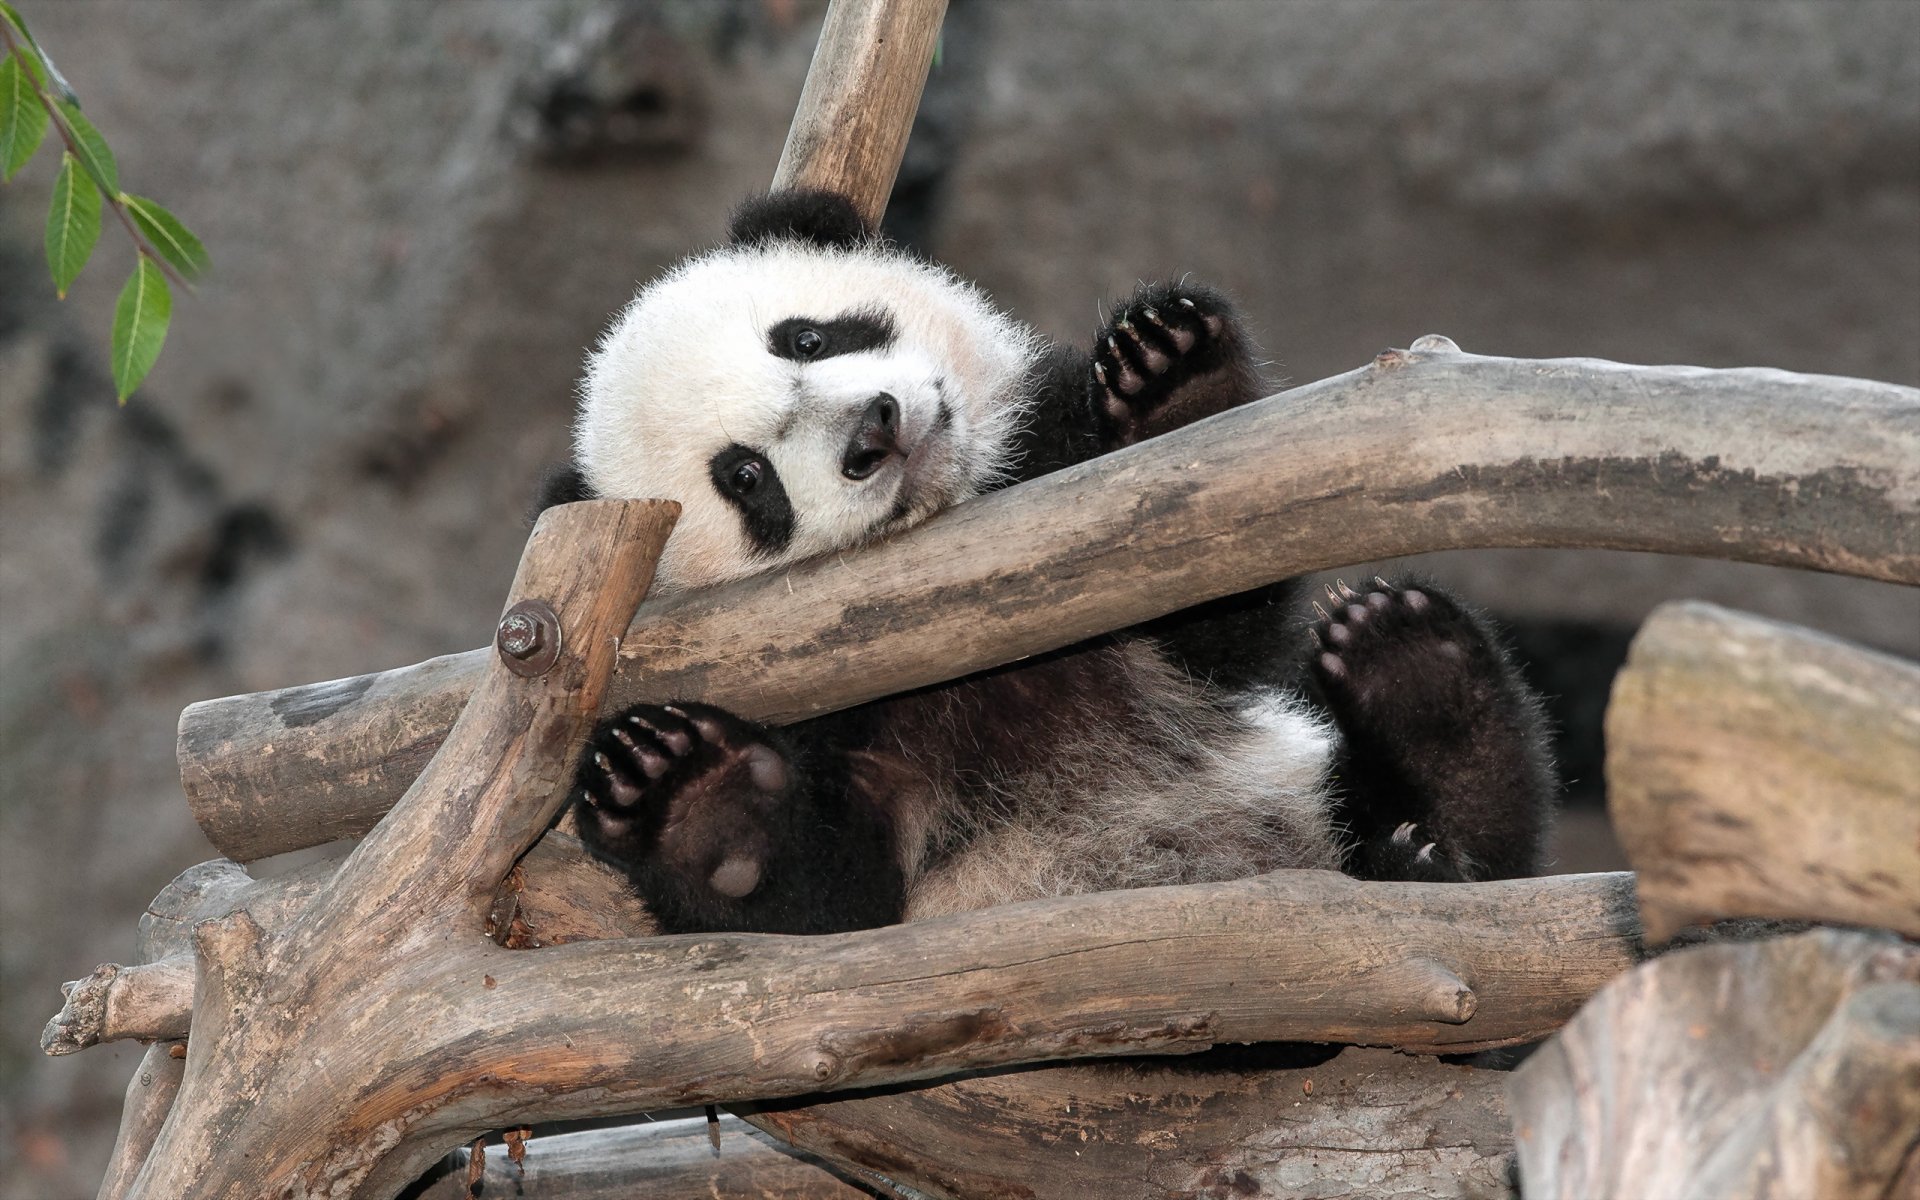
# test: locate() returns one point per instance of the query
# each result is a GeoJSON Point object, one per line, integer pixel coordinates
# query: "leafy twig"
{"type": "Point", "coordinates": [164, 247]}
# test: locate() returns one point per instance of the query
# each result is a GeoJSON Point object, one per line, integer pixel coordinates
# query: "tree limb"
{"type": "Point", "coordinates": [856, 110]}
{"type": "Point", "coordinates": [344, 982]}
{"type": "Point", "coordinates": [151, 1001]}
{"type": "Point", "coordinates": [1424, 450]}
{"type": "Point", "coordinates": [1755, 769]}
{"type": "Point", "coordinates": [149, 1098]}
{"type": "Point", "coordinates": [1365, 1123]}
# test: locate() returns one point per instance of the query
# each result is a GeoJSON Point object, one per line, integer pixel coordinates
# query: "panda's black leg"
{"type": "Point", "coordinates": [719, 827]}
{"type": "Point", "coordinates": [1445, 774]}
{"type": "Point", "coordinates": [1168, 357]}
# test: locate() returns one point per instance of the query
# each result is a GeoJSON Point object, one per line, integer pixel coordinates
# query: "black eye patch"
{"type": "Point", "coordinates": [746, 479]}
{"type": "Point", "coordinates": [804, 339]}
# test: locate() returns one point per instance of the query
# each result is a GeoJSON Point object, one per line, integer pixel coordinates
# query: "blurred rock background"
{"type": "Point", "coordinates": [421, 212]}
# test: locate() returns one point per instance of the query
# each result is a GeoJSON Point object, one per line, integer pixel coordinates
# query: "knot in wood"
{"type": "Point", "coordinates": [529, 638]}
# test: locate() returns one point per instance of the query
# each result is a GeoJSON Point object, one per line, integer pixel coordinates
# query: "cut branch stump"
{"type": "Point", "coordinates": [1756, 769]}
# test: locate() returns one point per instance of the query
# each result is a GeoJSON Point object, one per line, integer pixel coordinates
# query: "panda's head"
{"type": "Point", "coordinates": [803, 389]}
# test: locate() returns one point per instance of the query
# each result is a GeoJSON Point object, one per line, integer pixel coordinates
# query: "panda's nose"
{"type": "Point", "coordinates": [875, 439]}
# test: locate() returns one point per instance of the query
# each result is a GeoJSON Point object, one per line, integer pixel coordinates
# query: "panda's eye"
{"type": "Point", "coordinates": [807, 343]}
{"type": "Point", "coordinates": [746, 477]}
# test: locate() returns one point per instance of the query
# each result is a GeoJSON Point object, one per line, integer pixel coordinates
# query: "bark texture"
{"type": "Point", "coordinates": [149, 1098]}
{"type": "Point", "coordinates": [1428, 449]}
{"type": "Point", "coordinates": [1364, 1123]}
{"type": "Point", "coordinates": [299, 1033]}
{"type": "Point", "coordinates": [862, 90]}
{"type": "Point", "coordinates": [1774, 1070]}
{"type": "Point", "coordinates": [1760, 770]}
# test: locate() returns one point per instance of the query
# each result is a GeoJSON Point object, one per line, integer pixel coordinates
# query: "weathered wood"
{"type": "Point", "coordinates": [149, 1098]}
{"type": "Point", "coordinates": [1426, 450]}
{"type": "Point", "coordinates": [1778, 1069]}
{"type": "Point", "coordinates": [1367, 1123]}
{"type": "Point", "coordinates": [1758, 769]}
{"type": "Point", "coordinates": [857, 107]}
{"type": "Point", "coordinates": [1480, 965]}
{"type": "Point", "coordinates": [150, 1001]}
{"type": "Point", "coordinates": [297, 1074]}
{"type": "Point", "coordinates": [662, 1160]}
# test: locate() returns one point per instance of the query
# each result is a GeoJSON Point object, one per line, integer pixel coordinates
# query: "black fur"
{"type": "Point", "coordinates": [848, 334]}
{"type": "Point", "coordinates": [1444, 774]}
{"type": "Point", "coordinates": [562, 485]}
{"type": "Point", "coordinates": [765, 512]}
{"type": "Point", "coordinates": [823, 218]}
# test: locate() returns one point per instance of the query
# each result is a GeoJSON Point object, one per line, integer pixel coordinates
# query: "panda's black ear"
{"type": "Point", "coordinates": [563, 484]}
{"type": "Point", "coordinates": [810, 215]}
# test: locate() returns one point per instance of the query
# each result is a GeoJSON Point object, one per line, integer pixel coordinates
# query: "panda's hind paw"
{"type": "Point", "coordinates": [1408, 855]}
{"type": "Point", "coordinates": [1168, 356]}
{"type": "Point", "coordinates": [684, 791]}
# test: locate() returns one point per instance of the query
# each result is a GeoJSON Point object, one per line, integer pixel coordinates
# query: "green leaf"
{"type": "Point", "coordinates": [23, 122]}
{"type": "Point", "coordinates": [139, 326]}
{"type": "Point", "coordinates": [73, 224]}
{"type": "Point", "coordinates": [13, 18]}
{"type": "Point", "coordinates": [173, 240]}
{"type": "Point", "coordinates": [91, 149]}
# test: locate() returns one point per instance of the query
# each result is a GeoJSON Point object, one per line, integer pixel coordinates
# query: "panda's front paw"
{"type": "Point", "coordinates": [1168, 356]}
{"type": "Point", "coordinates": [685, 797]}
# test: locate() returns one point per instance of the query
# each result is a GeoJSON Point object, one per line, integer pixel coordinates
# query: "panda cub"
{"type": "Point", "coordinates": [807, 388]}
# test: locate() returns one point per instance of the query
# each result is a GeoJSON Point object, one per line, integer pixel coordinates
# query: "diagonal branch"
{"type": "Point", "coordinates": [1424, 450]}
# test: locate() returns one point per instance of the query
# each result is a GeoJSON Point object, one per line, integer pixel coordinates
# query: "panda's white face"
{"type": "Point", "coordinates": [798, 399]}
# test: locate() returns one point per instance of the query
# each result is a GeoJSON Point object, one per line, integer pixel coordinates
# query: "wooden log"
{"type": "Point", "coordinates": [1472, 965]}
{"type": "Point", "coordinates": [661, 1160]}
{"type": "Point", "coordinates": [149, 1098]}
{"type": "Point", "coordinates": [298, 1033]}
{"type": "Point", "coordinates": [1758, 769]}
{"type": "Point", "coordinates": [1425, 450]}
{"type": "Point", "coordinates": [1366, 1123]}
{"type": "Point", "coordinates": [1783, 1069]}
{"type": "Point", "coordinates": [856, 110]}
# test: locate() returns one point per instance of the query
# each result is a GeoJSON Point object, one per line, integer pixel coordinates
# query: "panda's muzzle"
{"type": "Point", "coordinates": [875, 439]}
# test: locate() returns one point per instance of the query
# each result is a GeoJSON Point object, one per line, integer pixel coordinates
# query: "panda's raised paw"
{"type": "Point", "coordinates": [685, 790]}
{"type": "Point", "coordinates": [1398, 653]}
{"type": "Point", "coordinates": [1165, 342]}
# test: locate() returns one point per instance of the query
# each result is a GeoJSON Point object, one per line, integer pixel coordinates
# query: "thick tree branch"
{"type": "Point", "coordinates": [857, 107]}
{"type": "Point", "coordinates": [1760, 770]}
{"type": "Point", "coordinates": [1363, 1123]}
{"type": "Point", "coordinates": [350, 981]}
{"type": "Point", "coordinates": [1425, 450]}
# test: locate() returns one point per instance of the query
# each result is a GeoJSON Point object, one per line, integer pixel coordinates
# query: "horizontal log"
{"type": "Point", "coordinates": [1426, 450]}
{"type": "Point", "coordinates": [1756, 769]}
{"type": "Point", "coordinates": [1364, 1123]}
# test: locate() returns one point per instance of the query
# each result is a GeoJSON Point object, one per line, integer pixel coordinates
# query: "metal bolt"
{"type": "Point", "coordinates": [529, 638]}
{"type": "Point", "coordinates": [519, 635]}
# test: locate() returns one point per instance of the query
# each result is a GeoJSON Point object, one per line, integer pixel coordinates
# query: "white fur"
{"type": "Point", "coordinates": [685, 372]}
{"type": "Point", "coordinates": [1095, 819]}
